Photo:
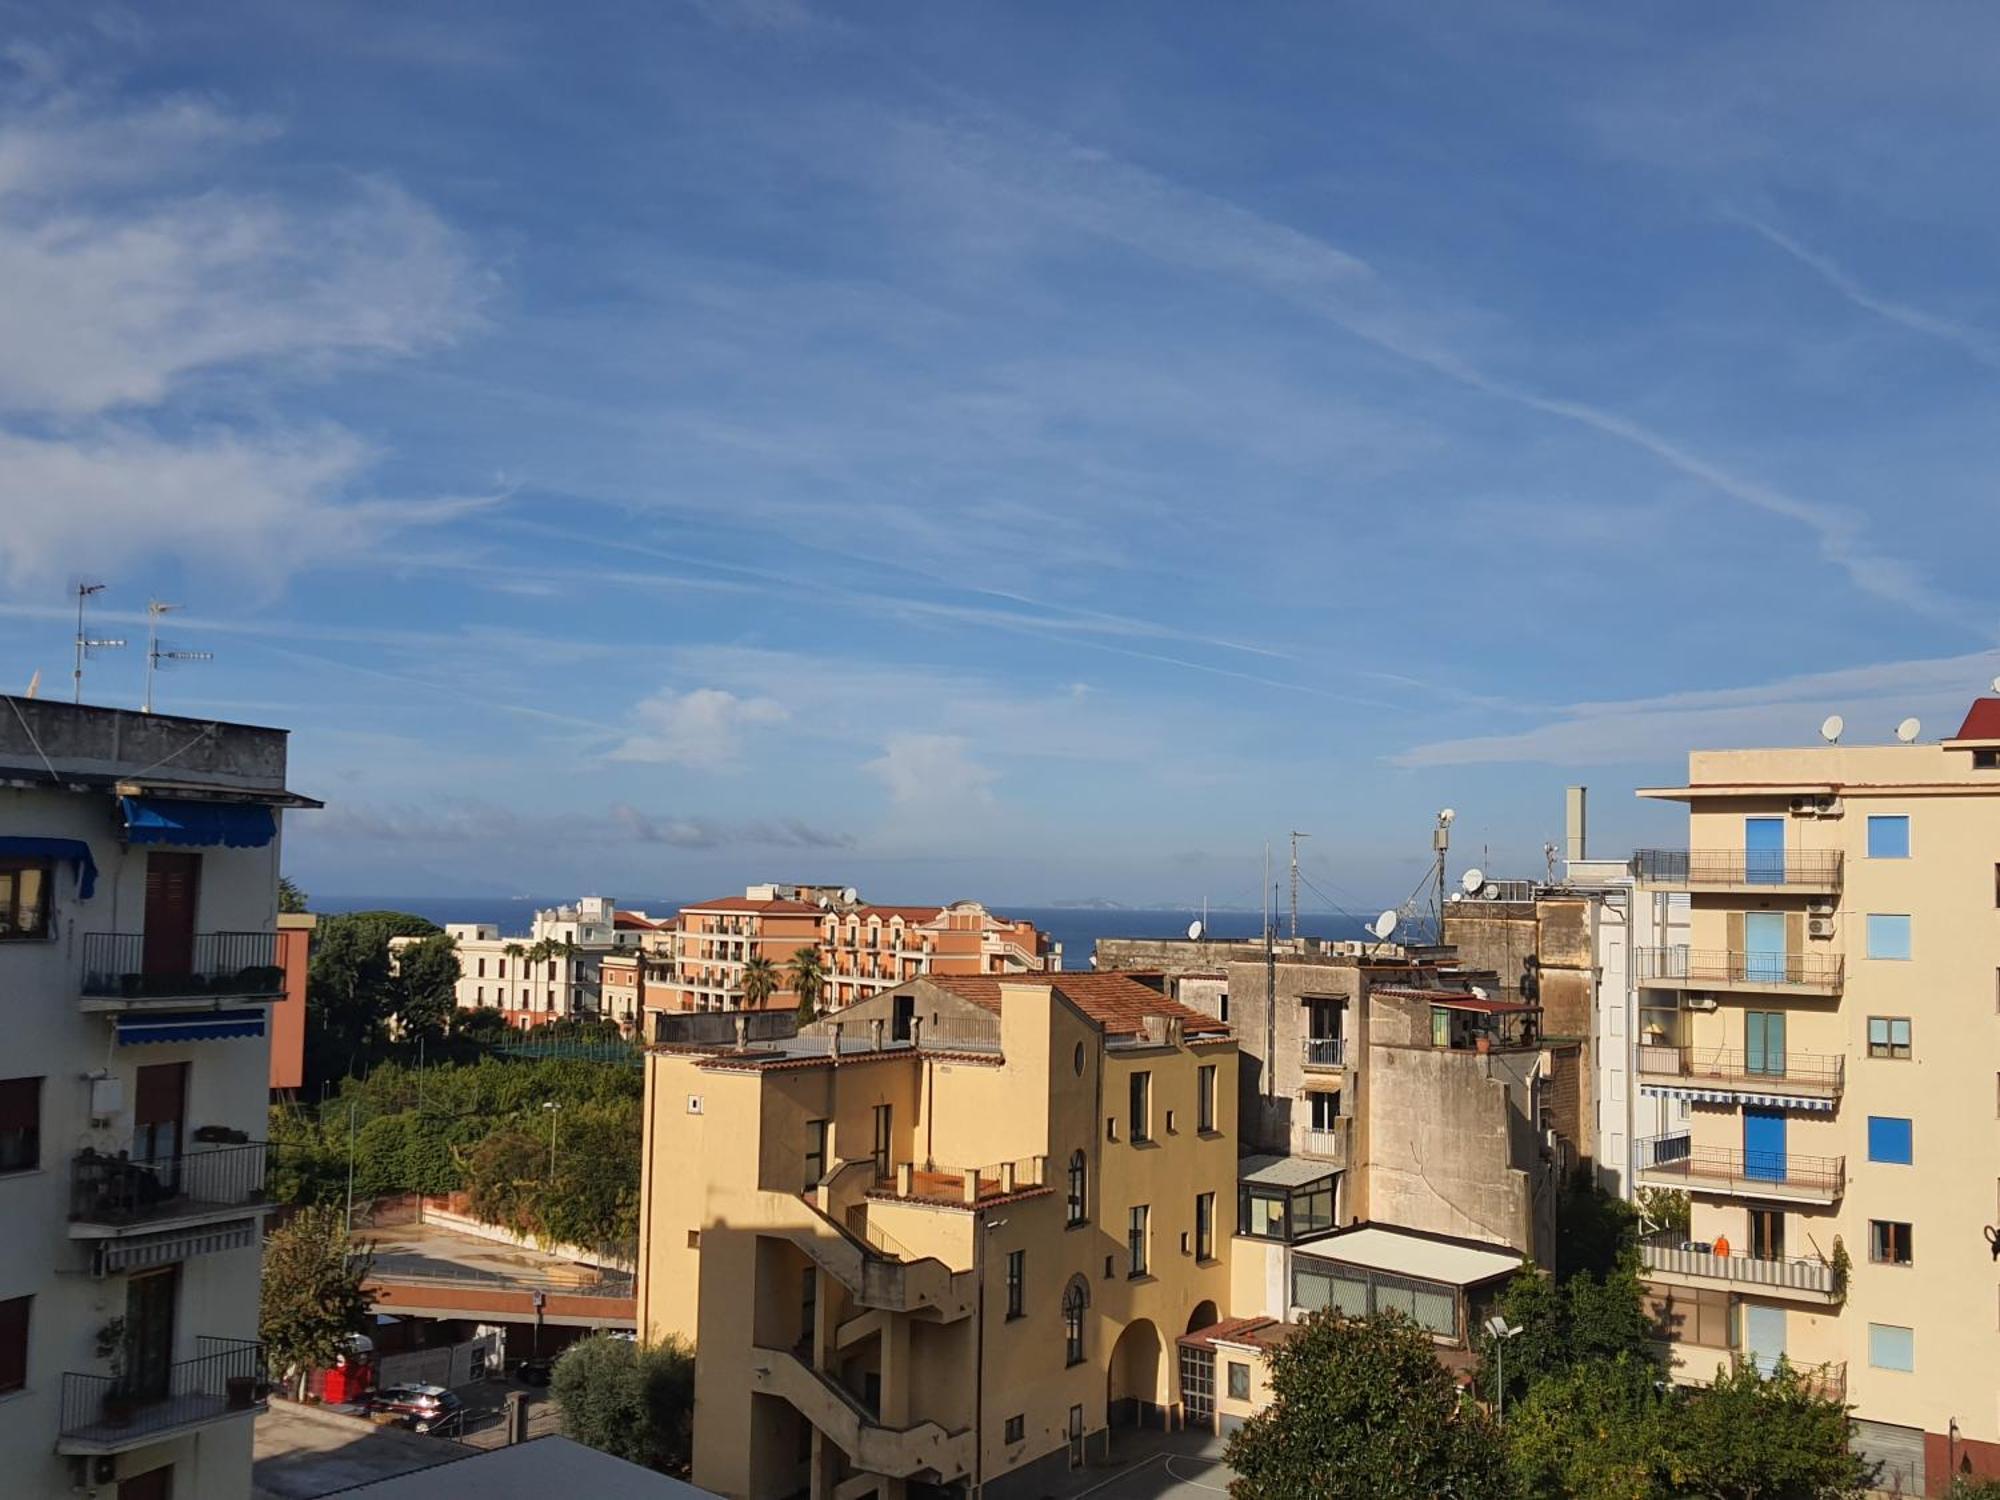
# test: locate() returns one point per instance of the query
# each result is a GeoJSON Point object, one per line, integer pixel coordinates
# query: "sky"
{"type": "Point", "coordinates": [1028, 452]}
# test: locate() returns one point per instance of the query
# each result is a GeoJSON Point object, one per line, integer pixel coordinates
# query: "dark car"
{"type": "Point", "coordinates": [536, 1370]}
{"type": "Point", "coordinates": [417, 1407]}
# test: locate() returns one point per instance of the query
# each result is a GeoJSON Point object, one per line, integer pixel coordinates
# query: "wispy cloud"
{"type": "Point", "coordinates": [702, 729]}
{"type": "Point", "coordinates": [934, 773]}
{"type": "Point", "coordinates": [461, 822]}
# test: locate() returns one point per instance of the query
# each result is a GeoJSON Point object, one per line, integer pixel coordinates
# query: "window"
{"type": "Point", "coordinates": [1017, 1428]}
{"type": "Point", "coordinates": [1205, 1098]}
{"type": "Point", "coordinates": [24, 898]}
{"type": "Point", "coordinates": [1076, 1297]}
{"type": "Point", "coordinates": [1888, 935]}
{"type": "Point", "coordinates": [1325, 1108]}
{"type": "Point", "coordinates": [14, 1343]}
{"type": "Point", "coordinates": [20, 1124]}
{"type": "Point", "coordinates": [1889, 1140]}
{"type": "Point", "coordinates": [1142, 1108]}
{"type": "Point", "coordinates": [1888, 1036]}
{"type": "Point", "coordinates": [815, 1153]}
{"type": "Point", "coordinates": [1260, 1213]}
{"type": "Point", "coordinates": [1888, 1242]}
{"type": "Point", "coordinates": [1239, 1381]}
{"type": "Point", "coordinates": [1986, 760]}
{"type": "Point", "coordinates": [482, 971]}
{"type": "Point", "coordinates": [1079, 1172]}
{"type": "Point", "coordinates": [1891, 1348]}
{"type": "Point", "coordinates": [1767, 1234]}
{"type": "Point", "coordinates": [1138, 1224]}
{"type": "Point", "coordinates": [1017, 1282]}
{"type": "Point", "coordinates": [1204, 1226]}
{"type": "Point", "coordinates": [808, 1306]}
{"type": "Point", "coordinates": [1888, 836]}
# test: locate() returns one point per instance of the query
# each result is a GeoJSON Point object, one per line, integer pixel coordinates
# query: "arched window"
{"type": "Point", "coordinates": [1078, 1171]}
{"type": "Point", "coordinates": [1076, 1297]}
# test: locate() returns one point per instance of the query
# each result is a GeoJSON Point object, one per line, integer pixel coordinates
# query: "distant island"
{"type": "Point", "coordinates": [1089, 903]}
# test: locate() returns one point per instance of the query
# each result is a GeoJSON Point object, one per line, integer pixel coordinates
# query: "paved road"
{"type": "Point", "coordinates": [302, 1452]}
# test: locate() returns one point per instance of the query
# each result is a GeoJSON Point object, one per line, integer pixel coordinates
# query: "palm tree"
{"type": "Point", "coordinates": [808, 978]}
{"type": "Point", "coordinates": [517, 952]}
{"type": "Point", "coordinates": [760, 982]}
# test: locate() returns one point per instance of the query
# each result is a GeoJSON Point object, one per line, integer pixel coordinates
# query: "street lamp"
{"type": "Point", "coordinates": [1498, 1327]}
{"type": "Point", "coordinates": [554, 1108]}
{"type": "Point", "coordinates": [987, 1226]}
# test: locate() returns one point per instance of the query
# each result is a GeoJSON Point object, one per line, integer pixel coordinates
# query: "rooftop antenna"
{"type": "Point", "coordinates": [1296, 836]}
{"type": "Point", "coordinates": [1440, 845]}
{"type": "Point", "coordinates": [1270, 982]}
{"type": "Point", "coordinates": [154, 655]}
{"type": "Point", "coordinates": [1830, 731]}
{"type": "Point", "coordinates": [84, 644]}
{"type": "Point", "coordinates": [1908, 730]}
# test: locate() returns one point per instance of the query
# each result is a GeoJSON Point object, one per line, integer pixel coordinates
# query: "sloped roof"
{"type": "Point", "coordinates": [632, 920]}
{"type": "Point", "coordinates": [774, 908]}
{"type": "Point", "coordinates": [1117, 1002]}
{"type": "Point", "coordinates": [887, 913]}
{"type": "Point", "coordinates": [1982, 721]}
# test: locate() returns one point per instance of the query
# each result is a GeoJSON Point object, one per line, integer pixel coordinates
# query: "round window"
{"type": "Point", "coordinates": [1079, 1059]}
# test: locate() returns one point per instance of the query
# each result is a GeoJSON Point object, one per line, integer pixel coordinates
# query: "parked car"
{"type": "Point", "coordinates": [417, 1407]}
{"type": "Point", "coordinates": [536, 1370]}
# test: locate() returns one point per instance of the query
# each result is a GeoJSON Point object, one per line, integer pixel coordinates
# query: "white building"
{"type": "Point", "coordinates": [138, 958]}
{"type": "Point", "coordinates": [552, 974]}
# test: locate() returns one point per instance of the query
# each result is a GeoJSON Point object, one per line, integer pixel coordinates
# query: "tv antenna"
{"type": "Point", "coordinates": [1296, 836]}
{"type": "Point", "coordinates": [84, 643]}
{"type": "Point", "coordinates": [1908, 730]}
{"type": "Point", "coordinates": [1440, 846]}
{"type": "Point", "coordinates": [154, 655]}
{"type": "Point", "coordinates": [1830, 731]}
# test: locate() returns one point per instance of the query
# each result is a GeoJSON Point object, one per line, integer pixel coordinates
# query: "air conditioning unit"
{"type": "Point", "coordinates": [1819, 927]}
{"type": "Point", "coordinates": [1828, 807]}
{"type": "Point", "coordinates": [1701, 1002]}
{"type": "Point", "coordinates": [1820, 906]}
{"type": "Point", "coordinates": [1802, 807]}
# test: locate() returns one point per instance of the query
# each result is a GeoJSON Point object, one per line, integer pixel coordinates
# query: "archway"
{"type": "Point", "coordinates": [1203, 1316]}
{"type": "Point", "coordinates": [1137, 1395]}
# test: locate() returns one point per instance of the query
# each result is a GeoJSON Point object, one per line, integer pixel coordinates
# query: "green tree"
{"type": "Point", "coordinates": [1533, 1303]}
{"type": "Point", "coordinates": [427, 974]}
{"type": "Point", "coordinates": [1607, 1314]}
{"type": "Point", "coordinates": [312, 1297]}
{"type": "Point", "coordinates": [1593, 1229]}
{"type": "Point", "coordinates": [1755, 1437]}
{"type": "Point", "coordinates": [1596, 1431]}
{"type": "Point", "coordinates": [506, 1176]}
{"type": "Point", "coordinates": [1361, 1408]}
{"type": "Point", "coordinates": [290, 897]}
{"type": "Point", "coordinates": [634, 1402]}
{"type": "Point", "coordinates": [594, 1198]}
{"type": "Point", "coordinates": [349, 993]}
{"type": "Point", "coordinates": [481, 1023]}
{"type": "Point", "coordinates": [808, 976]}
{"type": "Point", "coordinates": [760, 981]}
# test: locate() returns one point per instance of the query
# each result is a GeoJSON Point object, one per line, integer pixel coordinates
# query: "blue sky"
{"type": "Point", "coordinates": [1027, 451]}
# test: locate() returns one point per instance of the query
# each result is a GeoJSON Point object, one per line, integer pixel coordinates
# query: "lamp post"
{"type": "Point", "coordinates": [986, 1227]}
{"type": "Point", "coordinates": [1498, 1327]}
{"type": "Point", "coordinates": [554, 1108]}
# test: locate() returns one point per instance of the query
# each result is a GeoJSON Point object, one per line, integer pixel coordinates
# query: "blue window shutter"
{"type": "Point", "coordinates": [1889, 1140]}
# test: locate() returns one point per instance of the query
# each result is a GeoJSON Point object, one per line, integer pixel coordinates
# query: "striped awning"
{"type": "Point", "coordinates": [142, 1252]}
{"type": "Point", "coordinates": [1735, 1096]}
{"type": "Point", "coordinates": [189, 1026]}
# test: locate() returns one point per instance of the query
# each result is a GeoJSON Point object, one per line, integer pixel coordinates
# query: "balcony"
{"type": "Point", "coordinates": [111, 1414]}
{"type": "Point", "coordinates": [217, 969]}
{"type": "Point", "coordinates": [1673, 1161]}
{"type": "Point", "coordinates": [1722, 969]}
{"type": "Point", "coordinates": [1326, 1142]}
{"type": "Point", "coordinates": [1675, 1259]}
{"type": "Point", "coordinates": [114, 1196]}
{"type": "Point", "coordinates": [1323, 1053]}
{"type": "Point", "coordinates": [1827, 1381]}
{"type": "Point", "coordinates": [1722, 1073]}
{"type": "Point", "coordinates": [1810, 870]}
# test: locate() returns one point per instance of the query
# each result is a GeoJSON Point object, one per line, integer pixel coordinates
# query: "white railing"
{"type": "Point", "coordinates": [1324, 1051]}
{"type": "Point", "coordinates": [1692, 1258]}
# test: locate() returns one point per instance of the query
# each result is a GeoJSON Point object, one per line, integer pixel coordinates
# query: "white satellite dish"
{"type": "Point", "coordinates": [850, 895]}
{"type": "Point", "coordinates": [1456, 896]}
{"type": "Point", "coordinates": [1908, 730]}
{"type": "Point", "coordinates": [1447, 815]}
{"type": "Point", "coordinates": [1384, 924]}
{"type": "Point", "coordinates": [1830, 730]}
{"type": "Point", "coordinates": [1472, 880]}
{"type": "Point", "coordinates": [1996, 684]}
{"type": "Point", "coordinates": [1479, 992]}
{"type": "Point", "coordinates": [1194, 932]}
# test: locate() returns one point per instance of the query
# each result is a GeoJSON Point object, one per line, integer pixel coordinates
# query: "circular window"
{"type": "Point", "coordinates": [1079, 1059]}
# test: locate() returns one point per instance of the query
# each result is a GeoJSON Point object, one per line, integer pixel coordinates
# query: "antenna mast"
{"type": "Point", "coordinates": [1440, 844]}
{"type": "Point", "coordinates": [84, 644]}
{"type": "Point", "coordinates": [154, 655]}
{"type": "Point", "coordinates": [1296, 836]}
{"type": "Point", "coordinates": [1270, 983]}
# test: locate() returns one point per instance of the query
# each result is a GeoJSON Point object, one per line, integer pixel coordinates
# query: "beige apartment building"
{"type": "Point", "coordinates": [950, 1236]}
{"type": "Point", "coordinates": [554, 972]}
{"type": "Point", "coordinates": [713, 940]}
{"type": "Point", "coordinates": [869, 949]}
{"type": "Point", "coordinates": [1829, 1040]}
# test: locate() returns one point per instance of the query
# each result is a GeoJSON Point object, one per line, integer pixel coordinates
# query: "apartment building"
{"type": "Point", "coordinates": [949, 1236]}
{"type": "Point", "coordinates": [1833, 1050]}
{"type": "Point", "coordinates": [868, 949]}
{"type": "Point", "coordinates": [713, 940]}
{"type": "Point", "coordinates": [553, 973]}
{"type": "Point", "coordinates": [139, 954]}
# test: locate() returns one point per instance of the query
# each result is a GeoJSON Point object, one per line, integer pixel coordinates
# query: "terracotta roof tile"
{"type": "Point", "coordinates": [778, 908]}
{"type": "Point", "coordinates": [1117, 1002]}
{"type": "Point", "coordinates": [1982, 721]}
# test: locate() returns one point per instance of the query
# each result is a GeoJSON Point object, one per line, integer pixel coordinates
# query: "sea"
{"type": "Point", "coordinates": [1077, 928]}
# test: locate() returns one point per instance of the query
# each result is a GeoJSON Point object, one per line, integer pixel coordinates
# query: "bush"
{"type": "Point", "coordinates": [636, 1403]}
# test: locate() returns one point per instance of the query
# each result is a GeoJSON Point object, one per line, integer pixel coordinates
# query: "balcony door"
{"type": "Point", "coordinates": [1764, 851]}
{"type": "Point", "coordinates": [171, 883]}
{"type": "Point", "coordinates": [1764, 946]}
{"type": "Point", "coordinates": [1764, 1144]}
{"type": "Point", "coordinates": [149, 1331]}
{"type": "Point", "coordinates": [1763, 1336]}
{"type": "Point", "coordinates": [159, 1116]}
{"type": "Point", "coordinates": [1764, 1043]}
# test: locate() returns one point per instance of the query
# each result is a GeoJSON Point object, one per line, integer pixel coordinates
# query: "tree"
{"type": "Point", "coordinates": [1533, 1303]}
{"type": "Point", "coordinates": [1596, 1431]}
{"type": "Point", "coordinates": [290, 897]}
{"type": "Point", "coordinates": [808, 976]}
{"type": "Point", "coordinates": [1593, 1229]}
{"type": "Point", "coordinates": [349, 993]}
{"type": "Point", "coordinates": [507, 1176]}
{"type": "Point", "coordinates": [312, 1296]}
{"type": "Point", "coordinates": [1750, 1436]}
{"type": "Point", "coordinates": [427, 982]}
{"type": "Point", "coordinates": [760, 981]}
{"type": "Point", "coordinates": [1361, 1408]}
{"type": "Point", "coordinates": [634, 1402]}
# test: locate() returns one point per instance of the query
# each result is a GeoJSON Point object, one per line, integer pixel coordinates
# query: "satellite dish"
{"type": "Point", "coordinates": [1489, 893]}
{"type": "Point", "coordinates": [1908, 730]}
{"type": "Point", "coordinates": [1472, 880]}
{"type": "Point", "coordinates": [1479, 992]}
{"type": "Point", "coordinates": [1456, 896]}
{"type": "Point", "coordinates": [850, 895]}
{"type": "Point", "coordinates": [1830, 730]}
{"type": "Point", "coordinates": [825, 902]}
{"type": "Point", "coordinates": [1384, 924]}
{"type": "Point", "coordinates": [1194, 932]}
{"type": "Point", "coordinates": [1447, 815]}
{"type": "Point", "coordinates": [1996, 684]}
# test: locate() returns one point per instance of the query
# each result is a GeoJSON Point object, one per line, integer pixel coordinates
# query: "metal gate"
{"type": "Point", "coordinates": [1198, 1386]}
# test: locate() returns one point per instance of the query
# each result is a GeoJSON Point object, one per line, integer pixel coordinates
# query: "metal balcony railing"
{"type": "Point", "coordinates": [1324, 1051]}
{"type": "Point", "coordinates": [1810, 869]}
{"type": "Point", "coordinates": [1695, 967]}
{"type": "Point", "coordinates": [1675, 1161]}
{"type": "Point", "coordinates": [1827, 1381]}
{"type": "Point", "coordinates": [1724, 1065]}
{"type": "Point", "coordinates": [122, 1190]}
{"type": "Point", "coordinates": [1329, 1141]}
{"type": "Point", "coordinates": [238, 964]}
{"type": "Point", "coordinates": [112, 1410]}
{"type": "Point", "coordinates": [1676, 1255]}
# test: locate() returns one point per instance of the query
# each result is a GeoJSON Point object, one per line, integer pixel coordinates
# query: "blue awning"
{"type": "Point", "coordinates": [74, 851]}
{"type": "Point", "coordinates": [165, 820]}
{"type": "Point", "coordinates": [189, 1026]}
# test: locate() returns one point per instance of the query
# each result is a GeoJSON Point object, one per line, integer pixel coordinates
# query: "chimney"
{"type": "Point", "coordinates": [875, 1036]}
{"type": "Point", "coordinates": [742, 1032]}
{"type": "Point", "coordinates": [1575, 822]}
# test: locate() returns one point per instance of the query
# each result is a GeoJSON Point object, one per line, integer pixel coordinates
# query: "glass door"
{"type": "Point", "coordinates": [149, 1331]}
{"type": "Point", "coordinates": [1764, 1043]}
{"type": "Point", "coordinates": [1764, 851]}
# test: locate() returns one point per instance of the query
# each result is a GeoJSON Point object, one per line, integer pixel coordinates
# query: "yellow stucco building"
{"type": "Point", "coordinates": [1828, 1047]}
{"type": "Point", "coordinates": [950, 1238]}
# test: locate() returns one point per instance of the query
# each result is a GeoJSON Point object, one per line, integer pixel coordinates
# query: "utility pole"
{"type": "Point", "coordinates": [350, 1167]}
{"type": "Point", "coordinates": [84, 644]}
{"type": "Point", "coordinates": [1296, 836]}
{"type": "Point", "coordinates": [1270, 983]}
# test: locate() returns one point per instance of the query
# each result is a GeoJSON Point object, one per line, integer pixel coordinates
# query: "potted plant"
{"type": "Point", "coordinates": [242, 1391]}
{"type": "Point", "coordinates": [119, 1400]}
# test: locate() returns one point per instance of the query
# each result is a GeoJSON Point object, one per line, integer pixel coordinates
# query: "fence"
{"type": "Point", "coordinates": [1817, 868]}
{"type": "Point", "coordinates": [1677, 1255]}
{"type": "Point", "coordinates": [115, 965]}
{"type": "Point", "coordinates": [123, 1189]}
{"type": "Point", "coordinates": [1700, 966]}
{"type": "Point", "coordinates": [225, 1376]}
